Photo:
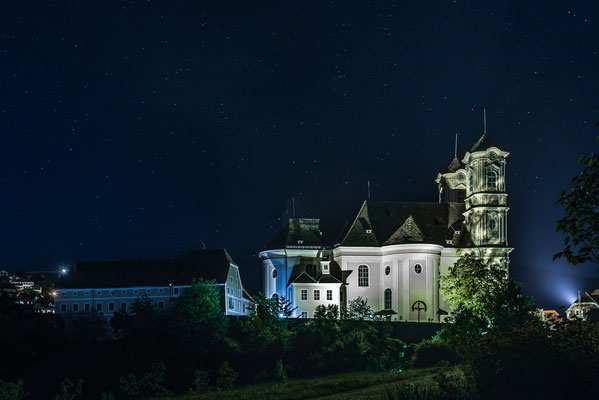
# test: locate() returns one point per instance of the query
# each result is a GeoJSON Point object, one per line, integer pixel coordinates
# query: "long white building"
{"type": "Point", "coordinates": [394, 253]}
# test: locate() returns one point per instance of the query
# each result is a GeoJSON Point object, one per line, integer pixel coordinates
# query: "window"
{"type": "Point", "coordinates": [492, 155]}
{"type": "Point", "coordinates": [492, 224]}
{"type": "Point", "coordinates": [86, 307]}
{"type": "Point", "coordinates": [311, 269]}
{"type": "Point", "coordinates": [304, 294]}
{"type": "Point", "coordinates": [387, 299]}
{"type": "Point", "coordinates": [63, 308]}
{"type": "Point", "coordinates": [135, 291]}
{"type": "Point", "coordinates": [123, 291]}
{"type": "Point", "coordinates": [579, 312]}
{"type": "Point", "coordinates": [492, 180]}
{"type": "Point", "coordinates": [74, 293]}
{"type": "Point", "coordinates": [304, 314]}
{"type": "Point", "coordinates": [123, 306]}
{"type": "Point", "coordinates": [329, 295]}
{"type": "Point", "coordinates": [99, 292]}
{"type": "Point", "coordinates": [110, 306]}
{"type": "Point", "coordinates": [418, 268]}
{"type": "Point", "coordinates": [274, 274]}
{"type": "Point", "coordinates": [98, 306]}
{"type": "Point", "coordinates": [148, 290]}
{"type": "Point", "coordinates": [87, 293]}
{"type": "Point", "coordinates": [362, 275]}
{"type": "Point", "coordinates": [75, 307]}
{"type": "Point", "coordinates": [63, 294]}
{"type": "Point", "coordinates": [231, 305]}
{"type": "Point", "coordinates": [387, 270]}
{"type": "Point", "coordinates": [325, 267]}
{"type": "Point", "coordinates": [161, 305]}
{"type": "Point", "coordinates": [160, 290]}
{"type": "Point", "coordinates": [316, 294]}
{"type": "Point", "coordinates": [231, 279]}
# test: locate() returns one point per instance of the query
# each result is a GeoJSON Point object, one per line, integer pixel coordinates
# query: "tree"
{"type": "Point", "coordinates": [580, 224]}
{"type": "Point", "coordinates": [358, 309]}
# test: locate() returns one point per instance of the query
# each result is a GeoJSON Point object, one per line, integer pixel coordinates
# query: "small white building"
{"type": "Point", "coordinates": [393, 254]}
{"type": "Point", "coordinates": [109, 286]}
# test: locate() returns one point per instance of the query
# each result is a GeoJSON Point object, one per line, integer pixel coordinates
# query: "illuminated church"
{"type": "Point", "coordinates": [393, 253]}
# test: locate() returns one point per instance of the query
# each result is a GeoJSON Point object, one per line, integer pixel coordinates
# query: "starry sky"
{"type": "Point", "coordinates": [145, 129]}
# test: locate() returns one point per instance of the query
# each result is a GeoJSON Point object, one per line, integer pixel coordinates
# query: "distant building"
{"type": "Point", "coordinates": [22, 285]}
{"type": "Point", "coordinates": [109, 286]}
{"type": "Point", "coordinates": [585, 307]}
{"type": "Point", "coordinates": [552, 316]}
{"type": "Point", "coordinates": [393, 254]}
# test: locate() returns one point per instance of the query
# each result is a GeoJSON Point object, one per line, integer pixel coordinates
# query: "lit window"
{"type": "Point", "coordinates": [362, 275]}
{"type": "Point", "coordinates": [387, 299]}
{"type": "Point", "coordinates": [316, 294]}
{"type": "Point", "coordinates": [274, 274]}
{"type": "Point", "coordinates": [418, 268]}
{"type": "Point", "coordinates": [110, 306]}
{"type": "Point", "coordinates": [304, 294]}
{"type": "Point", "coordinates": [387, 270]}
{"type": "Point", "coordinates": [492, 180]}
{"type": "Point", "coordinates": [75, 307]}
{"type": "Point", "coordinates": [304, 314]}
{"type": "Point", "coordinates": [329, 295]}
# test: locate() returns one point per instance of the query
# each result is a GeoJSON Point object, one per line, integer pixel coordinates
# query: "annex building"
{"type": "Point", "coordinates": [106, 287]}
{"type": "Point", "coordinates": [394, 253]}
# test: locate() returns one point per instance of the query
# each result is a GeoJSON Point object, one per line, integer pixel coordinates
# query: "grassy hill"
{"type": "Point", "coordinates": [418, 384]}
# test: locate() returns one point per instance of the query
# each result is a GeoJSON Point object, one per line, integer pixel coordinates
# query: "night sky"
{"type": "Point", "coordinates": [142, 130]}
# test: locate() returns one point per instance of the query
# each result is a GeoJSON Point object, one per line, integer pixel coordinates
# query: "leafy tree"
{"type": "Point", "coordinates": [358, 309]}
{"type": "Point", "coordinates": [227, 376]}
{"type": "Point", "coordinates": [201, 382]}
{"type": "Point", "coordinates": [580, 224]}
{"type": "Point", "coordinates": [69, 391]}
{"type": "Point", "coordinates": [149, 385]}
{"type": "Point", "coordinates": [12, 390]}
{"type": "Point", "coordinates": [201, 311]}
{"type": "Point", "coordinates": [330, 312]}
{"type": "Point", "coordinates": [284, 307]}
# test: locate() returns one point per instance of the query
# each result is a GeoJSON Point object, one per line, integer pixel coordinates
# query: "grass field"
{"type": "Point", "coordinates": [418, 384]}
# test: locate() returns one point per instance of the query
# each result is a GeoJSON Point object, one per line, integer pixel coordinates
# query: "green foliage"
{"type": "Point", "coordinates": [330, 312]}
{"type": "Point", "coordinates": [201, 381]}
{"type": "Point", "coordinates": [227, 376]}
{"type": "Point", "coordinates": [279, 373]}
{"type": "Point", "coordinates": [150, 384]}
{"type": "Point", "coordinates": [358, 309]}
{"type": "Point", "coordinates": [580, 224]}
{"type": "Point", "coordinates": [107, 396]}
{"type": "Point", "coordinates": [68, 390]}
{"type": "Point", "coordinates": [12, 390]}
{"type": "Point", "coordinates": [201, 311]}
{"type": "Point", "coordinates": [431, 352]}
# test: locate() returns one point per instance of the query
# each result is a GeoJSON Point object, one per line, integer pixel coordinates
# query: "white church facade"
{"type": "Point", "coordinates": [394, 253]}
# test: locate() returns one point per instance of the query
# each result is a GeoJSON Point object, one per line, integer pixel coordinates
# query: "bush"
{"type": "Point", "coordinates": [430, 352]}
{"type": "Point", "coordinates": [227, 377]}
{"type": "Point", "coordinates": [201, 381]}
{"type": "Point", "coordinates": [12, 390]}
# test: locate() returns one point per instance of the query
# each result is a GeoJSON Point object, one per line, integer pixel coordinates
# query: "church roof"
{"type": "Point", "coordinates": [308, 232]}
{"type": "Point", "coordinates": [454, 165]}
{"type": "Point", "coordinates": [398, 223]}
{"type": "Point", "coordinates": [206, 264]}
{"type": "Point", "coordinates": [483, 143]}
{"type": "Point", "coordinates": [300, 275]}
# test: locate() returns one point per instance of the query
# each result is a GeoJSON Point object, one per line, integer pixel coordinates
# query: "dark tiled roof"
{"type": "Point", "coordinates": [454, 165]}
{"type": "Point", "coordinates": [299, 274]}
{"type": "Point", "coordinates": [310, 232]}
{"type": "Point", "coordinates": [206, 264]}
{"type": "Point", "coordinates": [585, 298]}
{"type": "Point", "coordinates": [394, 223]}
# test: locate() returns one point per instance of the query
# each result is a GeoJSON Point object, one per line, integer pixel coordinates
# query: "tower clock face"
{"type": "Point", "coordinates": [461, 176]}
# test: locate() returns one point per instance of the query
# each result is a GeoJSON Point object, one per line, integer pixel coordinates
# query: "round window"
{"type": "Point", "coordinates": [274, 274]}
{"type": "Point", "coordinates": [461, 176]}
{"type": "Point", "coordinates": [418, 268]}
{"type": "Point", "coordinates": [387, 270]}
{"type": "Point", "coordinates": [492, 155]}
{"type": "Point", "coordinates": [492, 224]}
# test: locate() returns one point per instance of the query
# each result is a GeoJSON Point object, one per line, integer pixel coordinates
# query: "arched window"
{"type": "Point", "coordinates": [492, 224]}
{"type": "Point", "coordinates": [387, 299]}
{"type": "Point", "coordinates": [362, 275]}
{"type": "Point", "coordinates": [491, 180]}
{"type": "Point", "coordinates": [274, 273]}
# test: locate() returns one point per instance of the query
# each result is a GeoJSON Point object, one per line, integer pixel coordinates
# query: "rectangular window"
{"type": "Point", "coordinates": [75, 307]}
{"type": "Point", "coordinates": [579, 312]}
{"type": "Point", "coordinates": [161, 305]}
{"type": "Point", "coordinates": [304, 314]}
{"type": "Point", "coordinates": [110, 306]}
{"type": "Point", "coordinates": [316, 294]}
{"type": "Point", "coordinates": [98, 306]}
{"type": "Point", "coordinates": [86, 307]}
{"type": "Point", "coordinates": [123, 306]}
{"type": "Point", "coordinates": [304, 294]}
{"type": "Point", "coordinates": [63, 308]}
{"type": "Point", "coordinates": [231, 305]}
{"type": "Point", "coordinates": [176, 290]}
{"type": "Point", "coordinates": [329, 295]}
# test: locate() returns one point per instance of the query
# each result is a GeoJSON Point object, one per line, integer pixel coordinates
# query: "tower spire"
{"type": "Point", "coordinates": [485, 120]}
{"type": "Point", "coordinates": [455, 153]}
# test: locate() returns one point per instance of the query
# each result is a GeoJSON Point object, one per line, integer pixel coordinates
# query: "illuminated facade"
{"type": "Point", "coordinates": [393, 253]}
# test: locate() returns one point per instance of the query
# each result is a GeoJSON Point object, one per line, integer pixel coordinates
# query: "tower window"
{"type": "Point", "coordinates": [362, 275]}
{"type": "Point", "coordinates": [492, 224]}
{"type": "Point", "coordinates": [274, 274]}
{"type": "Point", "coordinates": [387, 299]}
{"type": "Point", "coordinates": [387, 270]}
{"type": "Point", "coordinates": [492, 180]}
{"type": "Point", "coordinates": [418, 268]}
{"type": "Point", "coordinates": [471, 181]}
